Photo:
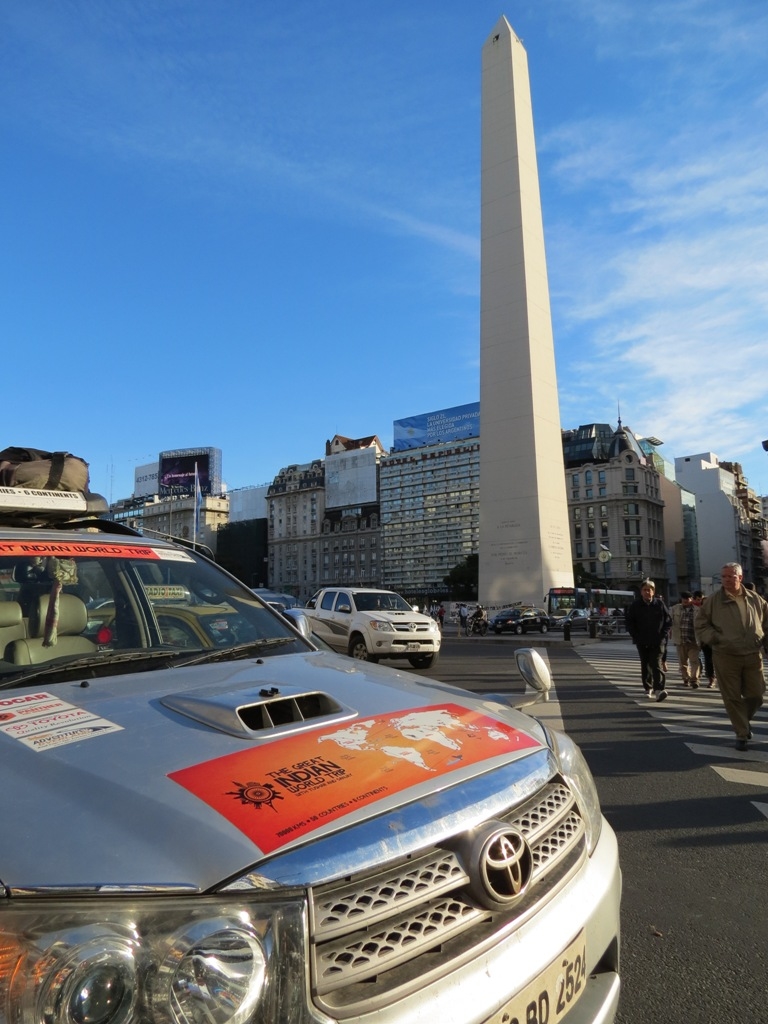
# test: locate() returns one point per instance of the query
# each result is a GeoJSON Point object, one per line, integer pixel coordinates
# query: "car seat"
{"type": "Point", "coordinates": [11, 624]}
{"type": "Point", "coordinates": [73, 618]}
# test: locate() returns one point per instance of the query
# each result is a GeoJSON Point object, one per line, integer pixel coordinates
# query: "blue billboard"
{"type": "Point", "coordinates": [456, 424]}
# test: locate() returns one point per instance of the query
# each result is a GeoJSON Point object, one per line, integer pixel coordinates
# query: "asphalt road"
{"type": "Point", "coordinates": [690, 813]}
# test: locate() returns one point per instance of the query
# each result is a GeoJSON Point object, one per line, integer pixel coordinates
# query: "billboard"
{"type": "Point", "coordinates": [456, 424]}
{"type": "Point", "coordinates": [350, 478]}
{"type": "Point", "coordinates": [145, 480]}
{"type": "Point", "coordinates": [177, 471]}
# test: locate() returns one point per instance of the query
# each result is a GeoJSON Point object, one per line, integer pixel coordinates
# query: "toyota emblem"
{"type": "Point", "coordinates": [505, 865]}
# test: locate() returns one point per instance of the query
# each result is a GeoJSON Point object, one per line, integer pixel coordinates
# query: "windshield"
{"type": "Point", "coordinates": [382, 600]}
{"type": "Point", "coordinates": [100, 601]}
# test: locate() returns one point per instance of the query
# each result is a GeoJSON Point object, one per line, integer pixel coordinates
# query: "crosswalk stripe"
{"type": "Point", "coordinates": [690, 714]}
{"type": "Point", "coordinates": [746, 778]}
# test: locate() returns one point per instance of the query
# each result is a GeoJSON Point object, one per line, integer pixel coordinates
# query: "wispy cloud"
{"type": "Point", "coordinates": [660, 287]}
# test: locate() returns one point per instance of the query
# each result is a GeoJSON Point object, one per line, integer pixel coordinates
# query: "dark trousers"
{"type": "Point", "coordinates": [709, 668]}
{"type": "Point", "coordinates": [650, 666]}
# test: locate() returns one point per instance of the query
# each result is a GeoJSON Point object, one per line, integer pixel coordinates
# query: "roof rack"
{"type": "Point", "coordinates": [25, 506]}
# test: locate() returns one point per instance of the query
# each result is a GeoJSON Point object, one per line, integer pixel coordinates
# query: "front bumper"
{"type": "Point", "coordinates": [403, 644]}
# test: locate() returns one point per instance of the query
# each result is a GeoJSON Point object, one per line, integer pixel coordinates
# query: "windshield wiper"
{"type": "Point", "coordinates": [102, 665]}
{"type": "Point", "coordinates": [234, 653]}
{"type": "Point", "coordinates": [94, 662]}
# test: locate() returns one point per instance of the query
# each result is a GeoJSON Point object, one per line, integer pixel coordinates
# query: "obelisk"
{"type": "Point", "coordinates": [524, 538]}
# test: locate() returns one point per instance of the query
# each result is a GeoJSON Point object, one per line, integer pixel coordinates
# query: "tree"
{"type": "Point", "coordinates": [461, 581]}
{"type": "Point", "coordinates": [582, 578]}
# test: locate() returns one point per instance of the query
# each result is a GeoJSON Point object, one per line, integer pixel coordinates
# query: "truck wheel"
{"type": "Point", "coordinates": [358, 650]}
{"type": "Point", "coordinates": [422, 660]}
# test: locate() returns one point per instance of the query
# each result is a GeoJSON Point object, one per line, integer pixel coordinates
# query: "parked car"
{"type": "Point", "coordinates": [206, 818]}
{"type": "Point", "coordinates": [520, 620]}
{"type": "Point", "coordinates": [576, 618]}
{"type": "Point", "coordinates": [371, 624]}
{"type": "Point", "coordinates": [276, 600]}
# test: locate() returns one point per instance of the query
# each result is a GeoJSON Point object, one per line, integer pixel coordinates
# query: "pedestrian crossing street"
{"type": "Point", "coordinates": [696, 716]}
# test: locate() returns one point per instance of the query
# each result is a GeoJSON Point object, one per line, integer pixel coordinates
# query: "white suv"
{"type": "Point", "coordinates": [206, 819]}
{"type": "Point", "coordinates": [373, 624]}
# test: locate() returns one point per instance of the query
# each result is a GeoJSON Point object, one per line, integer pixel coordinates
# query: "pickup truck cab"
{"type": "Point", "coordinates": [207, 819]}
{"type": "Point", "coordinates": [372, 624]}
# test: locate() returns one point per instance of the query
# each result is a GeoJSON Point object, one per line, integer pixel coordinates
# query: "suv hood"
{"type": "Point", "coordinates": [190, 777]}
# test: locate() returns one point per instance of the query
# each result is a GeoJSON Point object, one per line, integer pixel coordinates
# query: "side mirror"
{"type": "Point", "coordinates": [344, 609]}
{"type": "Point", "coordinates": [298, 618]}
{"type": "Point", "coordinates": [535, 673]}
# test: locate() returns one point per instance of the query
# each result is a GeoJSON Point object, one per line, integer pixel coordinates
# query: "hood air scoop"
{"type": "Point", "coordinates": [266, 714]}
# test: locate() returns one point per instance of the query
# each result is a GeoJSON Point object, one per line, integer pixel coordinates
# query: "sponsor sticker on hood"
{"type": "Point", "coordinates": [41, 721]}
{"type": "Point", "coordinates": [288, 788]}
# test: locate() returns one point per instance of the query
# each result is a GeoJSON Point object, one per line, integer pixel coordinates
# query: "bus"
{"type": "Point", "coordinates": [560, 600]}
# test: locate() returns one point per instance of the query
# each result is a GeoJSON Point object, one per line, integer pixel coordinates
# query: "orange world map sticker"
{"type": "Point", "coordinates": [279, 791]}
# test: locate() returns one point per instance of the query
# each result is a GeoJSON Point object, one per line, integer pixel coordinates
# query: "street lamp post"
{"type": "Point", "coordinates": [605, 556]}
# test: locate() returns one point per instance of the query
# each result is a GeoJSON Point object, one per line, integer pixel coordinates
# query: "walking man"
{"type": "Point", "coordinates": [684, 639]}
{"type": "Point", "coordinates": [648, 623]}
{"type": "Point", "coordinates": [734, 622]}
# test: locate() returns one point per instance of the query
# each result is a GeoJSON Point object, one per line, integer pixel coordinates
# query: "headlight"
{"type": "Point", "coordinates": [576, 773]}
{"type": "Point", "coordinates": [381, 625]}
{"type": "Point", "coordinates": [176, 961]}
{"type": "Point", "coordinates": [85, 979]}
{"type": "Point", "coordinates": [211, 973]}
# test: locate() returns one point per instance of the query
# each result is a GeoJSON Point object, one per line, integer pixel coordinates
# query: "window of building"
{"type": "Point", "coordinates": [601, 476]}
{"type": "Point", "coordinates": [629, 474]}
{"type": "Point", "coordinates": [588, 493]}
{"type": "Point", "coordinates": [604, 528]}
{"type": "Point", "coordinates": [633, 545]}
{"type": "Point", "coordinates": [588, 476]}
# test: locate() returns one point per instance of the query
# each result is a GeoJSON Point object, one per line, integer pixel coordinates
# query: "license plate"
{"type": "Point", "coordinates": [548, 998]}
{"type": "Point", "coordinates": [413, 647]}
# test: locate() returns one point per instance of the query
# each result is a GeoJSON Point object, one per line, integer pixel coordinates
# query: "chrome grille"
{"type": "Point", "coordinates": [377, 936]}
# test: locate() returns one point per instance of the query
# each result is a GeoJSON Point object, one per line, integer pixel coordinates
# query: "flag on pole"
{"type": "Point", "coordinates": [198, 505]}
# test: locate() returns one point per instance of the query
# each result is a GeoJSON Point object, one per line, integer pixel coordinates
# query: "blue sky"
{"type": "Point", "coordinates": [254, 225]}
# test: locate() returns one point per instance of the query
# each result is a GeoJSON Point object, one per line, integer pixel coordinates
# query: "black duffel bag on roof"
{"type": "Point", "coordinates": [43, 471]}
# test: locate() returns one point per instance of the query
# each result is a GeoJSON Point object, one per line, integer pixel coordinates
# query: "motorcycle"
{"type": "Point", "coordinates": [477, 627]}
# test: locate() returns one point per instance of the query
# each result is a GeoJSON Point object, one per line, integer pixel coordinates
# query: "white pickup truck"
{"type": "Point", "coordinates": [373, 624]}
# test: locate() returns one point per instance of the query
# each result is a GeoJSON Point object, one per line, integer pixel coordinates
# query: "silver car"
{"type": "Point", "coordinates": [207, 819]}
{"type": "Point", "coordinates": [575, 618]}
